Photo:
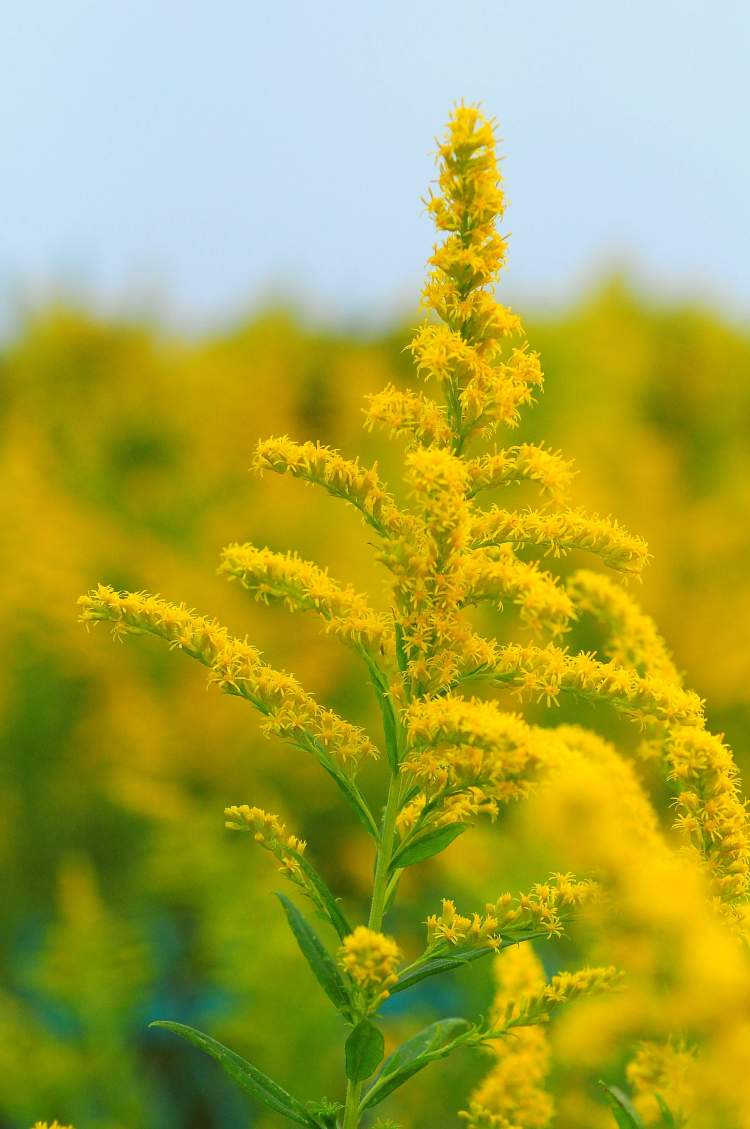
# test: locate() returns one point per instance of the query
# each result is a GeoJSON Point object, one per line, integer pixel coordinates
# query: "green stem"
{"type": "Point", "coordinates": [351, 1109]}
{"type": "Point", "coordinates": [385, 854]}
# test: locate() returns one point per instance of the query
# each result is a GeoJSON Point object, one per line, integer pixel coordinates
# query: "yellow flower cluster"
{"type": "Point", "coordinates": [344, 478]}
{"type": "Point", "coordinates": [539, 1006]}
{"type": "Point", "coordinates": [236, 668]}
{"type": "Point", "coordinates": [541, 912]}
{"type": "Point", "coordinates": [268, 830]}
{"type": "Point", "coordinates": [370, 960]}
{"type": "Point", "coordinates": [403, 412]}
{"type": "Point", "coordinates": [562, 531]}
{"type": "Point", "coordinates": [468, 746]}
{"type": "Point", "coordinates": [302, 586]}
{"type": "Point", "coordinates": [632, 638]}
{"type": "Point", "coordinates": [46, 1125]}
{"type": "Point", "coordinates": [495, 574]}
{"type": "Point", "coordinates": [513, 1094]}
{"type": "Point", "coordinates": [666, 1070]}
{"type": "Point", "coordinates": [525, 463]}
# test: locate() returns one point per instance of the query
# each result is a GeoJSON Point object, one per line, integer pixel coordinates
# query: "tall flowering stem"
{"type": "Point", "coordinates": [451, 758]}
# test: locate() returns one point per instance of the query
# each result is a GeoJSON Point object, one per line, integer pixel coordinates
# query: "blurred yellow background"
{"type": "Point", "coordinates": [123, 458]}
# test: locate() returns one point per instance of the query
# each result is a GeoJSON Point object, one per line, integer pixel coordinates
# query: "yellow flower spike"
{"type": "Point", "coordinates": [544, 911]}
{"type": "Point", "coordinates": [343, 478]}
{"type": "Point", "coordinates": [633, 639]}
{"type": "Point", "coordinates": [663, 1071]}
{"type": "Point", "coordinates": [410, 414]}
{"type": "Point", "coordinates": [237, 669]}
{"type": "Point", "coordinates": [513, 1094]}
{"type": "Point", "coordinates": [526, 462]}
{"type": "Point", "coordinates": [497, 574]}
{"type": "Point", "coordinates": [302, 586]}
{"type": "Point", "coordinates": [370, 960]}
{"type": "Point", "coordinates": [559, 532]}
{"type": "Point", "coordinates": [48, 1125]}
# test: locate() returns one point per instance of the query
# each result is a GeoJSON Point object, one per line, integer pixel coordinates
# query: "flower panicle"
{"type": "Point", "coordinates": [543, 911]}
{"type": "Point", "coordinates": [236, 668]}
{"type": "Point", "coordinates": [341, 477]}
{"type": "Point", "coordinates": [456, 745]}
{"type": "Point", "coordinates": [560, 531]}
{"type": "Point", "coordinates": [495, 575]}
{"type": "Point", "coordinates": [662, 1074]}
{"type": "Point", "coordinates": [633, 638]}
{"type": "Point", "coordinates": [513, 1094]}
{"type": "Point", "coordinates": [410, 414]}
{"type": "Point", "coordinates": [302, 586]}
{"type": "Point", "coordinates": [563, 988]}
{"type": "Point", "coordinates": [370, 959]}
{"type": "Point", "coordinates": [269, 831]}
{"type": "Point", "coordinates": [527, 462]}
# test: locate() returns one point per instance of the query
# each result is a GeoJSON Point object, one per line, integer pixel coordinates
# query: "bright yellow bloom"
{"type": "Point", "coordinates": [344, 478]}
{"type": "Point", "coordinates": [236, 668]}
{"type": "Point", "coordinates": [666, 1070]}
{"type": "Point", "coordinates": [526, 462]}
{"type": "Point", "coordinates": [632, 639]}
{"type": "Point", "coordinates": [513, 1095]}
{"type": "Point", "coordinates": [543, 911]}
{"type": "Point", "coordinates": [47, 1125]}
{"type": "Point", "coordinates": [302, 586]}
{"type": "Point", "coordinates": [370, 960]}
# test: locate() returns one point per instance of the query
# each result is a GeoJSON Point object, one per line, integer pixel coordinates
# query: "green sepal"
{"type": "Point", "coordinates": [431, 1043]}
{"type": "Point", "coordinates": [246, 1076]}
{"type": "Point", "coordinates": [318, 957]}
{"type": "Point", "coordinates": [621, 1107]}
{"type": "Point", "coordinates": [364, 1051]}
{"type": "Point", "coordinates": [425, 846]}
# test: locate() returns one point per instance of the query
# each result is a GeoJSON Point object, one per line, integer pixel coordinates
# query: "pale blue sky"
{"type": "Point", "coordinates": [201, 155]}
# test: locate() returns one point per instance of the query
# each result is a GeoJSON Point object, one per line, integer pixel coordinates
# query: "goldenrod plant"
{"type": "Point", "coordinates": [461, 740]}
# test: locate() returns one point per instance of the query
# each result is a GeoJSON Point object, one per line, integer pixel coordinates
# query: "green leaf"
{"type": "Point", "coordinates": [355, 798]}
{"type": "Point", "coordinates": [390, 727]}
{"type": "Point", "coordinates": [336, 917]}
{"type": "Point", "coordinates": [431, 1043]}
{"type": "Point", "coordinates": [427, 845]}
{"type": "Point", "coordinates": [622, 1110]}
{"type": "Point", "coordinates": [435, 966]}
{"type": "Point", "coordinates": [246, 1076]}
{"type": "Point", "coordinates": [668, 1118]}
{"type": "Point", "coordinates": [401, 656]}
{"type": "Point", "coordinates": [318, 957]}
{"type": "Point", "coordinates": [364, 1050]}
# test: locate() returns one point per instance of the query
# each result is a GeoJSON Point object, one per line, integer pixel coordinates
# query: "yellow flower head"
{"type": "Point", "coordinates": [370, 960]}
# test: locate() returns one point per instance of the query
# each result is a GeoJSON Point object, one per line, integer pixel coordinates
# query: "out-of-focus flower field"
{"type": "Point", "coordinates": [123, 458]}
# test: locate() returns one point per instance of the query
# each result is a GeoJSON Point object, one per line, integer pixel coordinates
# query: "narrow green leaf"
{"type": "Point", "coordinates": [435, 966]}
{"type": "Point", "coordinates": [390, 727]}
{"type": "Point", "coordinates": [401, 657]}
{"type": "Point", "coordinates": [246, 1076]}
{"type": "Point", "coordinates": [317, 956]}
{"type": "Point", "coordinates": [431, 1043]}
{"type": "Point", "coordinates": [622, 1110]}
{"type": "Point", "coordinates": [668, 1118]}
{"type": "Point", "coordinates": [364, 1050]}
{"type": "Point", "coordinates": [336, 917]}
{"type": "Point", "coordinates": [427, 845]}
{"type": "Point", "coordinates": [354, 797]}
